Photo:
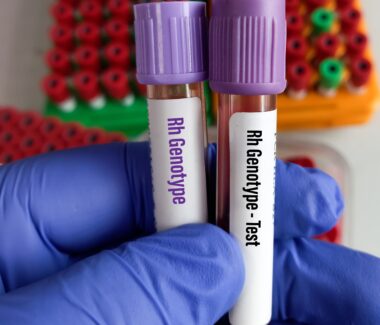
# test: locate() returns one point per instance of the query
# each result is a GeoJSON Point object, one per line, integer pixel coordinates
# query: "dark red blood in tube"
{"type": "Point", "coordinates": [91, 10]}
{"type": "Point", "coordinates": [356, 44]}
{"type": "Point", "coordinates": [63, 13]}
{"type": "Point", "coordinates": [55, 87]}
{"type": "Point", "coordinates": [299, 75]}
{"type": "Point", "coordinates": [62, 37]}
{"type": "Point", "coordinates": [89, 33]}
{"type": "Point", "coordinates": [117, 30]}
{"type": "Point", "coordinates": [293, 5]}
{"type": "Point", "coordinates": [314, 4]}
{"type": "Point", "coordinates": [59, 61]}
{"type": "Point", "coordinates": [302, 161]}
{"type": "Point", "coordinates": [350, 19]}
{"type": "Point", "coordinates": [51, 127]}
{"type": "Point", "coordinates": [87, 85]}
{"type": "Point", "coordinates": [94, 136]}
{"type": "Point", "coordinates": [72, 133]}
{"type": "Point", "coordinates": [327, 46]}
{"type": "Point", "coordinates": [296, 48]}
{"type": "Point", "coordinates": [87, 58]}
{"type": "Point", "coordinates": [116, 83]}
{"type": "Point", "coordinates": [361, 70]}
{"type": "Point", "coordinates": [121, 9]}
{"type": "Point", "coordinates": [295, 24]}
{"type": "Point", "coordinates": [29, 122]}
{"type": "Point", "coordinates": [117, 55]}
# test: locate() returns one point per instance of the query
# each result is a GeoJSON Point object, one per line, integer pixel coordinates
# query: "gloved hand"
{"type": "Point", "coordinates": [63, 216]}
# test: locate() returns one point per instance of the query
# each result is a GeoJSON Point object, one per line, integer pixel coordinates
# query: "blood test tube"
{"type": "Point", "coordinates": [303, 161]}
{"type": "Point", "coordinates": [299, 75]}
{"type": "Point", "coordinates": [356, 44]}
{"type": "Point", "coordinates": [57, 90]}
{"type": "Point", "coordinates": [331, 76]}
{"type": "Point", "coordinates": [72, 134]}
{"type": "Point", "coordinates": [94, 136]}
{"type": "Point", "coordinates": [312, 5]}
{"type": "Point", "coordinates": [247, 70]}
{"type": "Point", "coordinates": [92, 11]}
{"type": "Point", "coordinates": [89, 33]}
{"type": "Point", "coordinates": [293, 6]}
{"type": "Point", "coordinates": [62, 37]}
{"type": "Point", "coordinates": [349, 20]}
{"type": "Point", "coordinates": [51, 127]}
{"type": "Point", "coordinates": [29, 122]}
{"type": "Point", "coordinates": [322, 20]}
{"type": "Point", "coordinates": [295, 24]}
{"type": "Point", "coordinates": [87, 86]}
{"type": "Point", "coordinates": [176, 105]}
{"type": "Point", "coordinates": [87, 58]}
{"type": "Point", "coordinates": [63, 13]}
{"type": "Point", "coordinates": [296, 48]}
{"type": "Point", "coordinates": [117, 55]}
{"type": "Point", "coordinates": [360, 73]}
{"type": "Point", "coordinates": [30, 144]}
{"type": "Point", "coordinates": [117, 30]}
{"type": "Point", "coordinates": [121, 9]}
{"type": "Point", "coordinates": [326, 46]}
{"type": "Point", "coordinates": [59, 61]}
{"type": "Point", "coordinates": [116, 137]}
{"type": "Point", "coordinates": [116, 84]}
{"type": "Point", "coordinates": [344, 4]}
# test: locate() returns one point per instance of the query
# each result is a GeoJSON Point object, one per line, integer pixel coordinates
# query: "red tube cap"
{"type": "Point", "coordinates": [295, 24]}
{"type": "Point", "coordinates": [94, 136]}
{"type": "Point", "coordinates": [344, 4]}
{"type": "Point", "coordinates": [116, 83]}
{"type": "Point", "coordinates": [59, 62]}
{"type": "Point", "coordinates": [350, 19]}
{"type": "Point", "coordinates": [87, 58]}
{"type": "Point", "coordinates": [117, 30]}
{"type": "Point", "coordinates": [117, 55]}
{"type": "Point", "coordinates": [296, 48]}
{"type": "Point", "coordinates": [63, 13]}
{"type": "Point", "coordinates": [50, 127]}
{"type": "Point", "coordinates": [56, 89]}
{"type": "Point", "coordinates": [356, 44]}
{"type": "Point", "coordinates": [72, 134]}
{"type": "Point", "coordinates": [92, 11]}
{"type": "Point", "coordinates": [89, 33]}
{"type": "Point", "coordinates": [327, 46]}
{"type": "Point", "coordinates": [87, 85]}
{"type": "Point", "coordinates": [361, 70]}
{"type": "Point", "coordinates": [293, 6]}
{"type": "Point", "coordinates": [62, 37]}
{"type": "Point", "coordinates": [120, 9]}
{"type": "Point", "coordinates": [29, 122]}
{"type": "Point", "coordinates": [314, 4]}
{"type": "Point", "coordinates": [299, 75]}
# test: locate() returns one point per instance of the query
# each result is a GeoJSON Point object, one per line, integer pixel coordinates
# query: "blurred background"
{"type": "Point", "coordinates": [70, 66]}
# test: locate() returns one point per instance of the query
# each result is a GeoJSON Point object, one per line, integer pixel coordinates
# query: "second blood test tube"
{"type": "Point", "coordinates": [247, 69]}
{"type": "Point", "coordinates": [171, 55]}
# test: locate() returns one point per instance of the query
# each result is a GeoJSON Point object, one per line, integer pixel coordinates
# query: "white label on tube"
{"type": "Point", "coordinates": [178, 162]}
{"type": "Point", "coordinates": [253, 159]}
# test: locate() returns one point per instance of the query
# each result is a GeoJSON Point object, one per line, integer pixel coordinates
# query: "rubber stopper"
{"type": "Point", "coordinates": [62, 37]}
{"type": "Point", "coordinates": [117, 55]}
{"type": "Point", "coordinates": [327, 46]}
{"type": "Point", "coordinates": [63, 13]}
{"type": "Point", "coordinates": [55, 88]}
{"type": "Point", "coordinates": [331, 73]}
{"type": "Point", "coordinates": [92, 11]}
{"type": "Point", "coordinates": [356, 44]}
{"type": "Point", "coordinates": [89, 34]}
{"type": "Point", "coordinates": [59, 61]}
{"type": "Point", "coordinates": [299, 75]}
{"type": "Point", "coordinates": [322, 20]}
{"type": "Point", "coordinates": [116, 83]}
{"type": "Point", "coordinates": [361, 69]}
{"type": "Point", "coordinates": [296, 48]}
{"type": "Point", "coordinates": [311, 5]}
{"type": "Point", "coordinates": [350, 19]}
{"type": "Point", "coordinates": [295, 24]}
{"type": "Point", "coordinates": [117, 30]}
{"type": "Point", "coordinates": [344, 4]}
{"type": "Point", "coordinates": [87, 58]}
{"type": "Point", "coordinates": [86, 84]}
{"type": "Point", "coordinates": [292, 6]}
{"type": "Point", "coordinates": [120, 9]}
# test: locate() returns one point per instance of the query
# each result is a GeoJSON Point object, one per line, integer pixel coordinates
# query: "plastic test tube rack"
{"type": "Point", "coordinates": [26, 134]}
{"type": "Point", "coordinates": [92, 66]}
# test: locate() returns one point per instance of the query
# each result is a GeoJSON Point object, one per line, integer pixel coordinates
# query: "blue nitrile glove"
{"type": "Point", "coordinates": [60, 208]}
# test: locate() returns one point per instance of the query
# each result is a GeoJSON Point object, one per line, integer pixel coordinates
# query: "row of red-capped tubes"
{"type": "Point", "coordinates": [26, 134]}
{"type": "Point", "coordinates": [69, 13]}
{"type": "Point", "coordinates": [88, 57]}
{"type": "Point", "coordinates": [88, 85]}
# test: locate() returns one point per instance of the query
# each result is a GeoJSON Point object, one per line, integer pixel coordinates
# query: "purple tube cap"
{"type": "Point", "coordinates": [171, 42]}
{"type": "Point", "coordinates": [248, 47]}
